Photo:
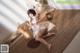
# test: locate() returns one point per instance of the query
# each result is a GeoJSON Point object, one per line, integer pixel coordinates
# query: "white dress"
{"type": "Point", "coordinates": [37, 28]}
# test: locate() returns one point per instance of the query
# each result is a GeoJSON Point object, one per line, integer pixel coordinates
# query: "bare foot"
{"type": "Point", "coordinates": [49, 47]}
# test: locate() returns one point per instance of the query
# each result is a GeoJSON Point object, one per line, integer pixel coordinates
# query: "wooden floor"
{"type": "Point", "coordinates": [4, 32]}
{"type": "Point", "coordinates": [68, 24]}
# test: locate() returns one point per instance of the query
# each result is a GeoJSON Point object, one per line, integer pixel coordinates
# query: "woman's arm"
{"type": "Point", "coordinates": [23, 32]}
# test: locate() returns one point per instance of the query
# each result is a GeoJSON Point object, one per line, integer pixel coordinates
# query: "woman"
{"type": "Point", "coordinates": [39, 28]}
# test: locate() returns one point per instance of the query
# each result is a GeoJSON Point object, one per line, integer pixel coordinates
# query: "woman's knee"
{"type": "Point", "coordinates": [37, 38]}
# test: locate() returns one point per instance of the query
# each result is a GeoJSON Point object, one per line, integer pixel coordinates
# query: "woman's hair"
{"type": "Point", "coordinates": [31, 11]}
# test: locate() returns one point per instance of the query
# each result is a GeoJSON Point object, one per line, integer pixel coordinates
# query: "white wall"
{"type": "Point", "coordinates": [13, 12]}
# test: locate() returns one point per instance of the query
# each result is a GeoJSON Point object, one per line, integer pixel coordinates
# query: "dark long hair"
{"type": "Point", "coordinates": [31, 11]}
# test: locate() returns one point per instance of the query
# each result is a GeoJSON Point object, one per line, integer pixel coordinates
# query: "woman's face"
{"type": "Point", "coordinates": [31, 15]}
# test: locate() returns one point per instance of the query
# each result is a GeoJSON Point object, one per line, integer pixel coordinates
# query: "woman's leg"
{"type": "Point", "coordinates": [49, 35]}
{"type": "Point", "coordinates": [38, 38]}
